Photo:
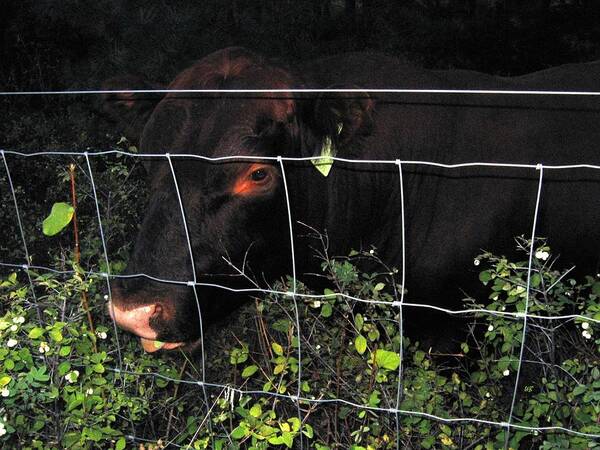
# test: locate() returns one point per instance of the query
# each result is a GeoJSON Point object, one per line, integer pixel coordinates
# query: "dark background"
{"type": "Point", "coordinates": [75, 44]}
{"type": "Point", "coordinates": [71, 44]}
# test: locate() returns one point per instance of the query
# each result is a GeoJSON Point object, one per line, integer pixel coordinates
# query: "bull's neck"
{"type": "Point", "coordinates": [353, 208]}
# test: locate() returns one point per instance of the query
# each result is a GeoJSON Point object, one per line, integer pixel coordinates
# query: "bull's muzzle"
{"type": "Point", "coordinates": [137, 320]}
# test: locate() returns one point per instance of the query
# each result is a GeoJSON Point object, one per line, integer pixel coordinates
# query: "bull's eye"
{"type": "Point", "coordinates": [257, 179]}
{"type": "Point", "coordinates": [259, 175]}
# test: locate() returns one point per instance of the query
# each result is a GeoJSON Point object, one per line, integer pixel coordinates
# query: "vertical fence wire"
{"type": "Point", "coordinates": [400, 392]}
{"type": "Point", "coordinates": [193, 287]}
{"type": "Point", "coordinates": [23, 240]}
{"type": "Point", "coordinates": [107, 275]}
{"type": "Point", "coordinates": [293, 295]}
{"type": "Point", "coordinates": [526, 310]}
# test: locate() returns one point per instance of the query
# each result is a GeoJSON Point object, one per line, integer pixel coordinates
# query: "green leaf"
{"type": "Point", "coordinates": [93, 433]}
{"type": "Point", "coordinates": [239, 355]}
{"type": "Point", "coordinates": [120, 445]}
{"type": "Point", "coordinates": [256, 410]}
{"type": "Point", "coordinates": [278, 349]}
{"type": "Point", "coordinates": [374, 399]}
{"type": "Point", "coordinates": [60, 216]}
{"type": "Point", "coordinates": [63, 368]}
{"type": "Point", "coordinates": [249, 371]}
{"type": "Point", "coordinates": [359, 321]}
{"type": "Point", "coordinates": [386, 359]}
{"type": "Point", "coordinates": [329, 293]}
{"type": "Point", "coordinates": [295, 422]}
{"type": "Point", "coordinates": [579, 389]}
{"type": "Point", "coordinates": [446, 429]}
{"type": "Point", "coordinates": [428, 442]}
{"type": "Point", "coordinates": [308, 431]}
{"type": "Point", "coordinates": [276, 440]}
{"type": "Point", "coordinates": [373, 334]}
{"type": "Point", "coordinates": [239, 432]}
{"type": "Point", "coordinates": [378, 287]}
{"type": "Point", "coordinates": [56, 335]}
{"type": "Point", "coordinates": [38, 425]}
{"type": "Point", "coordinates": [39, 374]}
{"type": "Point", "coordinates": [418, 357]}
{"type": "Point", "coordinates": [282, 325]}
{"type": "Point", "coordinates": [36, 332]}
{"type": "Point", "coordinates": [4, 380]}
{"type": "Point", "coordinates": [70, 439]}
{"type": "Point", "coordinates": [326, 310]}
{"type": "Point", "coordinates": [287, 438]}
{"type": "Point", "coordinates": [485, 276]}
{"type": "Point", "coordinates": [478, 377]}
{"type": "Point", "coordinates": [360, 343]}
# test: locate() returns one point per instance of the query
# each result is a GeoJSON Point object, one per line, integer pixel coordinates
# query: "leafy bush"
{"type": "Point", "coordinates": [349, 353]}
{"type": "Point", "coordinates": [57, 388]}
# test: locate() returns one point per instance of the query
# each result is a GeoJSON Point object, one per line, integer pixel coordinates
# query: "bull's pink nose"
{"type": "Point", "coordinates": [136, 319]}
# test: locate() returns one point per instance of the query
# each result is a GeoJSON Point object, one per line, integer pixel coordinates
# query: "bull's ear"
{"type": "Point", "coordinates": [130, 110]}
{"type": "Point", "coordinates": [344, 116]}
{"type": "Point", "coordinates": [337, 121]}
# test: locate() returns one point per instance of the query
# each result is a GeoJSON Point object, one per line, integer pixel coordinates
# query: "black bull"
{"type": "Point", "coordinates": [236, 211]}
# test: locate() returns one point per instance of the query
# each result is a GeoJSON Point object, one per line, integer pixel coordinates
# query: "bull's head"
{"type": "Point", "coordinates": [235, 210]}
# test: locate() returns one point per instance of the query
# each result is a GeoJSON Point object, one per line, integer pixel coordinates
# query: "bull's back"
{"type": "Point", "coordinates": [480, 208]}
{"type": "Point", "coordinates": [453, 128]}
{"type": "Point", "coordinates": [453, 214]}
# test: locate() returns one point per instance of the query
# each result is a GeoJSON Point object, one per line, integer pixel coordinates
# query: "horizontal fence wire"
{"type": "Point", "coordinates": [454, 312]}
{"type": "Point", "coordinates": [298, 399]}
{"type": "Point", "coordinates": [311, 91]}
{"type": "Point", "coordinates": [391, 162]}
{"type": "Point", "coordinates": [322, 401]}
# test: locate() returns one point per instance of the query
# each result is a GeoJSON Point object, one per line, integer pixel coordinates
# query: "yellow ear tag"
{"type": "Point", "coordinates": [328, 151]}
{"type": "Point", "coordinates": [325, 160]}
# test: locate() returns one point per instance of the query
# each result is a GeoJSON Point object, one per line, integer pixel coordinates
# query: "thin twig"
{"type": "Point", "coordinates": [77, 253]}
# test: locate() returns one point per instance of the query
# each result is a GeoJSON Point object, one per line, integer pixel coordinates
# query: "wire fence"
{"type": "Point", "coordinates": [399, 305]}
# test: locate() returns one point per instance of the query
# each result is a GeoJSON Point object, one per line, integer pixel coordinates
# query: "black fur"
{"type": "Point", "coordinates": [451, 215]}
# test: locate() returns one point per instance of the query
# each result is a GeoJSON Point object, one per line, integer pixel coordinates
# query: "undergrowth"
{"type": "Point", "coordinates": [348, 378]}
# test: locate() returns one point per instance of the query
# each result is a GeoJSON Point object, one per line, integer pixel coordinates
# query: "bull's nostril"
{"type": "Point", "coordinates": [158, 310]}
